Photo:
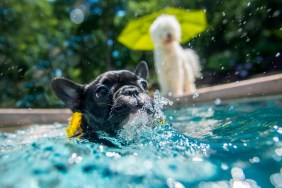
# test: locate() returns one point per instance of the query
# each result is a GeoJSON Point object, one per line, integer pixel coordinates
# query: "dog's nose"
{"type": "Point", "coordinates": [169, 35]}
{"type": "Point", "coordinates": [130, 91]}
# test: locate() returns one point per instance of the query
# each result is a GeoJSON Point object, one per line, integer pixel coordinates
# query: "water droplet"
{"type": "Point", "coordinates": [275, 139]}
{"type": "Point", "coordinates": [195, 95]}
{"type": "Point", "coordinates": [277, 55]}
{"type": "Point", "coordinates": [255, 160]}
{"type": "Point", "coordinates": [224, 166]}
{"type": "Point", "coordinates": [113, 154]}
{"type": "Point", "coordinates": [101, 148]}
{"type": "Point", "coordinates": [237, 174]}
{"type": "Point", "coordinates": [278, 151]}
{"type": "Point", "coordinates": [217, 102]}
{"type": "Point", "coordinates": [249, 3]}
{"type": "Point", "coordinates": [276, 13]}
{"type": "Point", "coordinates": [77, 16]}
{"type": "Point", "coordinates": [276, 179]}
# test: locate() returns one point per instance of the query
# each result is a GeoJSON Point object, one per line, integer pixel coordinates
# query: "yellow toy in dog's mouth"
{"type": "Point", "coordinates": [74, 128]}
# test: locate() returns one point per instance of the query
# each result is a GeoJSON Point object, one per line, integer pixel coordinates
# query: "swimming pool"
{"type": "Point", "coordinates": [216, 145]}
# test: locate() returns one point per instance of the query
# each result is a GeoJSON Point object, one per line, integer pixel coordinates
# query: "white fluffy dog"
{"type": "Point", "coordinates": [176, 67]}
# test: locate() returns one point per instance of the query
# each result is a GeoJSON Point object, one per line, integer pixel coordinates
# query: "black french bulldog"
{"type": "Point", "coordinates": [106, 102]}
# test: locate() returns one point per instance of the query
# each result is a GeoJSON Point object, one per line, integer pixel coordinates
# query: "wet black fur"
{"type": "Point", "coordinates": [107, 101]}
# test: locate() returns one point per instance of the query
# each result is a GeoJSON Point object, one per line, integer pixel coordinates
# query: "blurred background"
{"type": "Point", "coordinates": [43, 39]}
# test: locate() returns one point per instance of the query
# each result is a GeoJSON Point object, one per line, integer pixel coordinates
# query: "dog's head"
{"type": "Point", "coordinates": [108, 101]}
{"type": "Point", "coordinates": [165, 30]}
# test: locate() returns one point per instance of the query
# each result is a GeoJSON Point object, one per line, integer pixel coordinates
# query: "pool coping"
{"type": "Point", "coordinates": [252, 89]}
{"type": "Point", "coordinates": [17, 117]}
{"type": "Point", "coordinates": [239, 91]}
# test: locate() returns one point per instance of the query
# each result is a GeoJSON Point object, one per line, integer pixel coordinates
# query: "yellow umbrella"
{"type": "Point", "coordinates": [136, 34]}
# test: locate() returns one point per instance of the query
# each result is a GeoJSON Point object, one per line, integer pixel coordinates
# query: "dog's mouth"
{"type": "Point", "coordinates": [125, 108]}
{"type": "Point", "coordinates": [168, 41]}
{"type": "Point", "coordinates": [128, 108]}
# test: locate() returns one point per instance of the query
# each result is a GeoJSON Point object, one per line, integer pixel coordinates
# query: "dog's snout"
{"type": "Point", "coordinates": [130, 91]}
{"type": "Point", "coordinates": [169, 35]}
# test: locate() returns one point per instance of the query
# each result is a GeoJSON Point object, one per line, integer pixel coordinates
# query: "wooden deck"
{"type": "Point", "coordinates": [240, 91]}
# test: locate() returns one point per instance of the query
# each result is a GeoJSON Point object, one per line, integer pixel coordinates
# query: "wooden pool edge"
{"type": "Point", "coordinates": [252, 89]}
{"type": "Point", "coordinates": [18, 117]}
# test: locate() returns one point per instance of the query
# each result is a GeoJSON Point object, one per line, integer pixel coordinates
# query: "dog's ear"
{"type": "Point", "coordinates": [142, 70]}
{"type": "Point", "coordinates": [68, 92]}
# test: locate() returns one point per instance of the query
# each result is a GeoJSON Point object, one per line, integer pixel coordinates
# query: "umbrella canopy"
{"type": "Point", "coordinates": [136, 34]}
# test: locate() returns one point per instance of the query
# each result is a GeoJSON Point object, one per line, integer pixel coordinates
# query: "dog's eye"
{"type": "Point", "coordinates": [102, 91]}
{"type": "Point", "coordinates": [144, 84]}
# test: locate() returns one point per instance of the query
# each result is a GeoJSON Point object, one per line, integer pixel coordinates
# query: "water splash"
{"type": "Point", "coordinates": [142, 123]}
{"type": "Point", "coordinates": [159, 103]}
{"type": "Point", "coordinates": [155, 108]}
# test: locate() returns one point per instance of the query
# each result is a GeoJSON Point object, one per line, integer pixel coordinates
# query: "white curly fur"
{"type": "Point", "coordinates": [176, 67]}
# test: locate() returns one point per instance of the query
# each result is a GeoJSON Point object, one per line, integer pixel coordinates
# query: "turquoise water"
{"type": "Point", "coordinates": [232, 145]}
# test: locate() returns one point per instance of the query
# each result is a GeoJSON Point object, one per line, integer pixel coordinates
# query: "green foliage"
{"type": "Point", "coordinates": [221, 62]}
{"type": "Point", "coordinates": [246, 29]}
{"type": "Point", "coordinates": [38, 41]}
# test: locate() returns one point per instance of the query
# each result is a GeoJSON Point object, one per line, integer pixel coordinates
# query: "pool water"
{"type": "Point", "coordinates": [217, 145]}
